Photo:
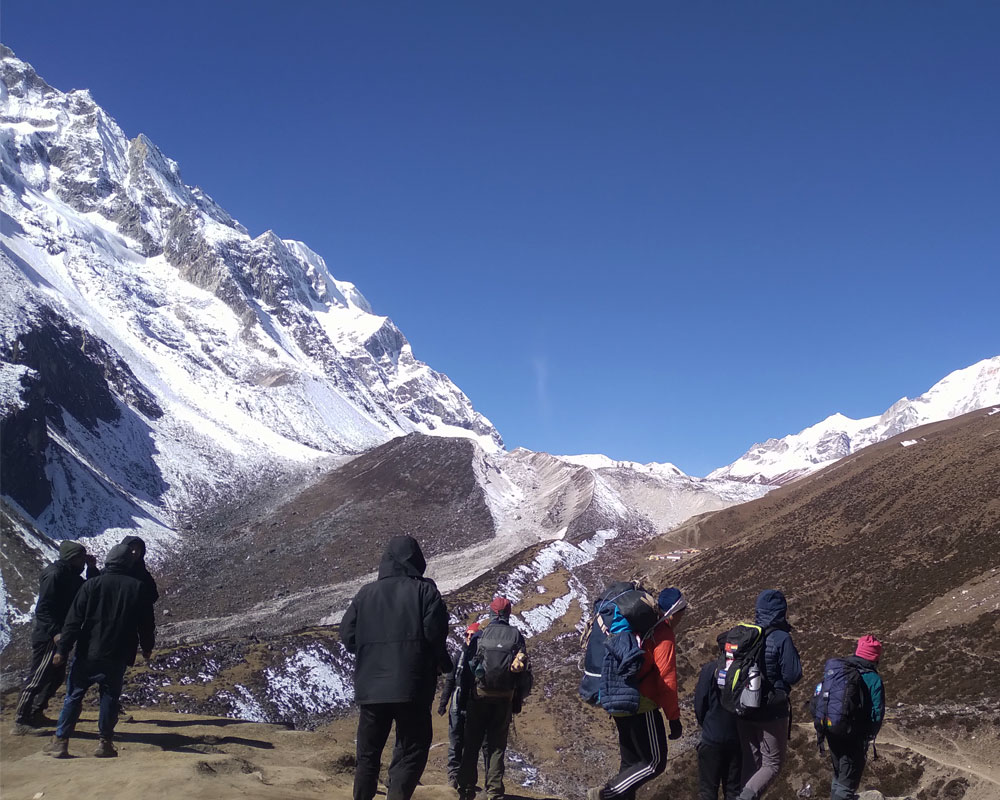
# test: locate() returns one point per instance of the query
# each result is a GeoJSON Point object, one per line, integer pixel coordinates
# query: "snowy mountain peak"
{"type": "Point", "coordinates": [779, 461]}
{"type": "Point", "coordinates": [255, 357]}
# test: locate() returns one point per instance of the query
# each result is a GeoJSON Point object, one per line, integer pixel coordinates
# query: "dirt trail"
{"type": "Point", "coordinates": [172, 756]}
{"type": "Point", "coordinates": [951, 758]}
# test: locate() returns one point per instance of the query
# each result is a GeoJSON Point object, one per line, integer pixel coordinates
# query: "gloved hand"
{"type": "Point", "coordinates": [676, 729]}
{"type": "Point", "coordinates": [443, 707]}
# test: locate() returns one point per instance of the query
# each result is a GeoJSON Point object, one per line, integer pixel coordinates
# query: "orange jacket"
{"type": "Point", "coordinates": [659, 670]}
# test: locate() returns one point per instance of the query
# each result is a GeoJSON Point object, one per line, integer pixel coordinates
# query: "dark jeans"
{"type": "Point", "coordinates": [487, 723]}
{"type": "Point", "coordinates": [409, 756]}
{"type": "Point", "coordinates": [83, 674]}
{"type": "Point", "coordinates": [719, 765]}
{"type": "Point", "coordinates": [43, 681]}
{"type": "Point", "coordinates": [642, 740]}
{"type": "Point", "coordinates": [848, 758]}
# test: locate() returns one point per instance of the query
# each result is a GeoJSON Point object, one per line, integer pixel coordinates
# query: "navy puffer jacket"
{"type": "Point", "coordinates": [620, 674]}
{"type": "Point", "coordinates": [782, 666]}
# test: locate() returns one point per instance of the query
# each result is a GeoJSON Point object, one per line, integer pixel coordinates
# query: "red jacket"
{"type": "Point", "coordinates": [659, 670]}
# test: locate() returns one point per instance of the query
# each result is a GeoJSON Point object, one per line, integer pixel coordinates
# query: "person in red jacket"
{"type": "Point", "coordinates": [642, 739]}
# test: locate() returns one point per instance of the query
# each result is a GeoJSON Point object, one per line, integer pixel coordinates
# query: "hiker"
{"type": "Point", "coordinates": [501, 680]}
{"type": "Point", "coordinates": [108, 614]}
{"type": "Point", "coordinates": [454, 700]}
{"type": "Point", "coordinates": [848, 709]}
{"type": "Point", "coordinates": [764, 731]}
{"type": "Point", "coordinates": [719, 755]}
{"type": "Point", "coordinates": [57, 586]}
{"type": "Point", "coordinates": [643, 681]}
{"type": "Point", "coordinates": [139, 571]}
{"type": "Point", "coordinates": [397, 627]}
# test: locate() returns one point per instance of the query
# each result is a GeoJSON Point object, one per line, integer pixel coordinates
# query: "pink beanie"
{"type": "Point", "coordinates": [869, 648]}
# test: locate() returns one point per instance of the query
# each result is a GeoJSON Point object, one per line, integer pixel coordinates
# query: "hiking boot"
{"type": "Point", "coordinates": [22, 729]}
{"type": "Point", "coordinates": [595, 793]}
{"type": "Point", "coordinates": [105, 749]}
{"type": "Point", "coordinates": [57, 748]}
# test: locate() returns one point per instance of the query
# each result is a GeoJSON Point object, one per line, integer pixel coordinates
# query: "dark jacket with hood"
{"type": "Point", "coordinates": [57, 586]}
{"type": "Point", "coordinates": [140, 572]}
{"type": "Point", "coordinates": [109, 612]}
{"type": "Point", "coordinates": [139, 568]}
{"type": "Point", "coordinates": [397, 627]}
{"type": "Point", "coordinates": [782, 667]}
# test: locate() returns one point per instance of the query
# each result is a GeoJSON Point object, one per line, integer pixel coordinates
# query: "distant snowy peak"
{"type": "Point", "coordinates": [779, 461]}
{"type": "Point", "coordinates": [597, 461]}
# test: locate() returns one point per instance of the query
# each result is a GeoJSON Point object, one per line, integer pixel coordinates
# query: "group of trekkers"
{"type": "Point", "coordinates": [108, 616]}
{"type": "Point", "coordinates": [397, 628]}
{"type": "Point", "coordinates": [742, 700]}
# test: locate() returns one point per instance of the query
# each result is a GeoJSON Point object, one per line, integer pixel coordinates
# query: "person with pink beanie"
{"type": "Point", "coordinates": [849, 751]}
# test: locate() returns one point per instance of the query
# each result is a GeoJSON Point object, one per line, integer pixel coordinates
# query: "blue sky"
{"type": "Point", "coordinates": [657, 230]}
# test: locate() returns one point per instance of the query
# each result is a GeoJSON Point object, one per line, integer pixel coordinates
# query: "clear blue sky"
{"type": "Point", "coordinates": [657, 230]}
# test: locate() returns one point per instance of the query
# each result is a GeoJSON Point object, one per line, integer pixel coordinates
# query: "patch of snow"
{"type": "Point", "coordinates": [910, 442]}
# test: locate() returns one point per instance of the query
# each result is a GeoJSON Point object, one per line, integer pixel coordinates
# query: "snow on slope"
{"type": "Point", "coordinates": [778, 461]}
{"type": "Point", "coordinates": [254, 359]}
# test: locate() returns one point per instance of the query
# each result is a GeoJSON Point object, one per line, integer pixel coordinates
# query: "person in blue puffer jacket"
{"type": "Point", "coordinates": [764, 732]}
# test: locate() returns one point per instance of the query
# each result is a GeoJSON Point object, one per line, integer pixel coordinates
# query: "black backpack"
{"type": "Point", "coordinates": [497, 646]}
{"type": "Point", "coordinates": [740, 674]}
{"type": "Point", "coordinates": [623, 605]}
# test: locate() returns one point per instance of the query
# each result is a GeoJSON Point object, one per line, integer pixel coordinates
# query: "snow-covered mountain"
{"type": "Point", "coordinates": [154, 354]}
{"type": "Point", "coordinates": [779, 461]}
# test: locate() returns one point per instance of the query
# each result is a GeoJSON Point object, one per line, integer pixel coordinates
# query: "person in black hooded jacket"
{"type": "Point", "coordinates": [57, 586]}
{"type": "Point", "coordinates": [764, 732]}
{"type": "Point", "coordinates": [138, 549]}
{"type": "Point", "coordinates": [397, 629]}
{"type": "Point", "coordinates": [107, 615]}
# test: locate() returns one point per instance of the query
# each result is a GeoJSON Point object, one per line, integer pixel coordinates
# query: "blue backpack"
{"type": "Point", "coordinates": [838, 701]}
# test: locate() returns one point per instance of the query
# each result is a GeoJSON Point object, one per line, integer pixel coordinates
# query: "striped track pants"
{"type": "Point", "coordinates": [44, 680]}
{"type": "Point", "coordinates": [642, 740]}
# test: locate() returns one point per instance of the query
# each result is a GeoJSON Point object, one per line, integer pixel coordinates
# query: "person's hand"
{"type": "Point", "coordinates": [56, 638]}
{"type": "Point", "coordinates": [676, 729]}
{"type": "Point", "coordinates": [57, 659]}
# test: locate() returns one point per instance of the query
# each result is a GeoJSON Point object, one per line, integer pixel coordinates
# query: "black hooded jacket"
{"type": "Point", "coordinates": [109, 612]}
{"type": "Point", "coordinates": [139, 568]}
{"type": "Point", "coordinates": [57, 586]}
{"type": "Point", "coordinates": [397, 628]}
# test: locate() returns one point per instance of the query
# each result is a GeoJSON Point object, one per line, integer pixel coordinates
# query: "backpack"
{"type": "Point", "coordinates": [622, 606]}
{"type": "Point", "coordinates": [838, 701]}
{"type": "Point", "coordinates": [740, 674]}
{"type": "Point", "coordinates": [497, 647]}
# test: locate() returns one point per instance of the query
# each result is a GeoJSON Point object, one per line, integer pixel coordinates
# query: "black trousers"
{"type": "Point", "coordinates": [719, 765]}
{"type": "Point", "coordinates": [409, 756]}
{"type": "Point", "coordinates": [848, 758]}
{"type": "Point", "coordinates": [43, 681]}
{"type": "Point", "coordinates": [642, 740]}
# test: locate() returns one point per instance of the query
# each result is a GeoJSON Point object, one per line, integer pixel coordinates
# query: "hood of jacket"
{"type": "Point", "coordinates": [119, 559]}
{"type": "Point", "coordinates": [771, 609]}
{"type": "Point", "coordinates": [129, 541]}
{"type": "Point", "coordinates": [402, 558]}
